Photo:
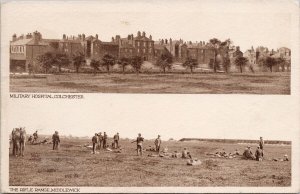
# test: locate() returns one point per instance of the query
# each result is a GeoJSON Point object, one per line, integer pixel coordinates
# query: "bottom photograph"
{"type": "Point", "coordinates": [110, 160]}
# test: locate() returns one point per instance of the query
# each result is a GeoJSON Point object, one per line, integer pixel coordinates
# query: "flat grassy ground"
{"type": "Point", "coordinates": [198, 83]}
{"type": "Point", "coordinates": [74, 165]}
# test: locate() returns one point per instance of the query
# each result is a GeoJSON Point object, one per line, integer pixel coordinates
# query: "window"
{"type": "Point", "coordinates": [144, 50]}
{"type": "Point", "coordinates": [144, 43]}
{"type": "Point", "coordinates": [149, 51]}
{"type": "Point", "coordinates": [150, 45]}
{"type": "Point", "coordinates": [138, 43]}
{"type": "Point", "coordinates": [138, 50]}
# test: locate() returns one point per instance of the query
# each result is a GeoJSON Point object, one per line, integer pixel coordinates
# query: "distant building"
{"type": "Point", "coordinates": [140, 45]}
{"type": "Point", "coordinates": [25, 49]}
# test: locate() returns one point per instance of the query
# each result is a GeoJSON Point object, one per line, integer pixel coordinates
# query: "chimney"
{"type": "Point", "coordinates": [112, 39]}
{"type": "Point", "coordinates": [170, 40]}
{"type": "Point", "coordinates": [83, 36]}
{"type": "Point", "coordinates": [79, 36]}
{"type": "Point", "coordinates": [139, 34]}
{"type": "Point", "coordinates": [64, 37]}
{"type": "Point", "coordinates": [118, 37]}
{"type": "Point", "coordinates": [238, 48]}
{"type": "Point", "coordinates": [166, 41]}
{"type": "Point", "coordinates": [96, 36]}
{"type": "Point", "coordinates": [131, 36]}
{"type": "Point", "coordinates": [144, 34]}
{"type": "Point", "coordinates": [21, 37]}
{"type": "Point", "coordinates": [14, 37]}
{"type": "Point", "coordinates": [150, 37]}
{"type": "Point", "coordinates": [128, 37]}
{"type": "Point", "coordinates": [37, 37]}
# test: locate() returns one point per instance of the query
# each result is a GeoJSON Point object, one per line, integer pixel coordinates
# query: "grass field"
{"type": "Point", "coordinates": [74, 165]}
{"type": "Point", "coordinates": [198, 83]}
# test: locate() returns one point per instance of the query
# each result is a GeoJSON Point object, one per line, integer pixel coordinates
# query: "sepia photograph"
{"type": "Point", "coordinates": [151, 52]}
{"type": "Point", "coordinates": [150, 96]}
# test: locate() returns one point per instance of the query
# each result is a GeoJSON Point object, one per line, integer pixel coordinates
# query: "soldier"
{"type": "Point", "coordinates": [35, 136]}
{"type": "Point", "coordinates": [94, 141]}
{"type": "Point", "coordinates": [261, 145]}
{"type": "Point", "coordinates": [139, 144]}
{"type": "Point", "coordinates": [157, 143]}
{"type": "Point", "coordinates": [116, 140]}
{"type": "Point", "coordinates": [184, 153]}
{"type": "Point", "coordinates": [258, 154]}
{"type": "Point", "coordinates": [248, 153]}
{"type": "Point", "coordinates": [104, 140]}
{"type": "Point", "coordinates": [100, 140]}
{"type": "Point", "coordinates": [55, 140]}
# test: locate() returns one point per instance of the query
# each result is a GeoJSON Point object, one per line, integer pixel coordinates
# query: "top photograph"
{"type": "Point", "coordinates": [153, 51]}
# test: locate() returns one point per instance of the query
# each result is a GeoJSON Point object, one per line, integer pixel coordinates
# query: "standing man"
{"type": "Point", "coordinates": [261, 145]}
{"type": "Point", "coordinates": [116, 140]}
{"type": "Point", "coordinates": [139, 144]}
{"type": "Point", "coordinates": [55, 140]}
{"type": "Point", "coordinates": [157, 143]}
{"type": "Point", "coordinates": [100, 140]}
{"type": "Point", "coordinates": [94, 141]}
{"type": "Point", "coordinates": [104, 140]}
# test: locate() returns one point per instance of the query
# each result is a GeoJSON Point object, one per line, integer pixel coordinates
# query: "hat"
{"type": "Point", "coordinates": [248, 146]}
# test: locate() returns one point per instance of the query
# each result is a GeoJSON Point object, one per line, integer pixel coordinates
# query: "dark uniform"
{"type": "Point", "coordinates": [248, 154]}
{"type": "Point", "coordinates": [55, 140]}
{"type": "Point", "coordinates": [94, 141]}
{"type": "Point", "coordinates": [116, 140]}
{"type": "Point", "coordinates": [35, 136]}
{"type": "Point", "coordinates": [104, 140]}
{"type": "Point", "coordinates": [259, 154]}
{"type": "Point", "coordinates": [139, 144]}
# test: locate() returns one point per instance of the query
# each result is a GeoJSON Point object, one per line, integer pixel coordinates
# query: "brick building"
{"type": "Point", "coordinates": [24, 50]}
{"type": "Point", "coordinates": [140, 45]}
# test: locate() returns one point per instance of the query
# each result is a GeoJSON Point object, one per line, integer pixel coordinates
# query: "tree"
{"type": "Point", "coordinates": [216, 44]}
{"type": "Point", "coordinates": [268, 62]}
{"type": "Point", "coordinates": [46, 60]}
{"type": "Point", "coordinates": [190, 63]}
{"type": "Point", "coordinates": [61, 60]}
{"type": "Point", "coordinates": [281, 62]}
{"type": "Point", "coordinates": [165, 61]}
{"type": "Point", "coordinates": [95, 64]}
{"type": "Point", "coordinates": [136, 63]}
{"type": "Point", "coordinates": [241, 62]}
{"type": "Point", "coordinates": [78, 60]}
{"type": "Point", "coordinates": [124, 61]}
{"type": "Point", "coordinates": [107, 61]}
{"type": "Point", "coordinates": [225, 47]}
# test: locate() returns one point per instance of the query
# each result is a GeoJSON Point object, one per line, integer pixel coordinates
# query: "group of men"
{"type": "Point", "coordinates": [259, 153]}
{"type": "Point", "coordinates": [100, 140]}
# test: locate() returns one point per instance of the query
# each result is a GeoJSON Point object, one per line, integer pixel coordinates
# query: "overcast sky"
{"type": "Point", "coordinates": [247, 23]}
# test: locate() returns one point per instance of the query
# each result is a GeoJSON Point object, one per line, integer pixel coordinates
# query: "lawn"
{"type": "Point", "coordinates": [74, 165]}
{"type": "Point", "coordinates": [181, 83]}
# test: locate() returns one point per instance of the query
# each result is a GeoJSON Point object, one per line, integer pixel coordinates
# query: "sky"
{"type": "Point", "coordinates": [247, 23]}
{"type": "Point", "coordinates": [233, 116]}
